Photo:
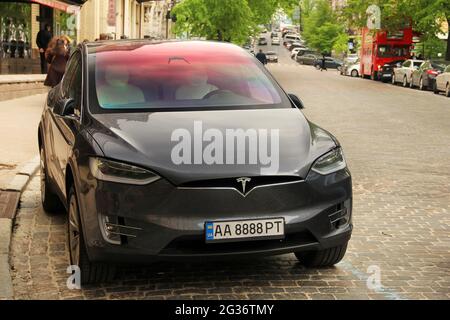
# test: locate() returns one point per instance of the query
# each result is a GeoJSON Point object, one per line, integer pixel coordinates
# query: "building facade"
{"type": "Point", "coordinates": [20, 21]}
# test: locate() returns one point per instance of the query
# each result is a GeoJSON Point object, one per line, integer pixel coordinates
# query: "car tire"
{"type": "Point", "coordinates": [354, 73]}
{"type": "Point", "coordinates": [90, 272]}
{"type": "Point", "coordinates": [50, 200]}
{"type": "Point", "coordinates": [405, 82]}
{"type": "Point", "coordinates": [374, 76]}
{"type": "Point", "coordinates": [411, 83]}
{"type": "Point", "coordinates": [421, 85]}
{"type": "Point", "coordinates": [435, 88]}
{"type": "Point", "coordinates": [322, 258]}
{"type": "Point", "coordinates": [393, 80]}
{"type": "Point", "coordinates": [317, 66]}
{"type": "Point", "coordinates": [447, 90]}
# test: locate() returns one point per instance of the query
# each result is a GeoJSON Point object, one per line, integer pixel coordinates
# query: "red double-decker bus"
{"type": "Point", "coordinates": [381, 47]}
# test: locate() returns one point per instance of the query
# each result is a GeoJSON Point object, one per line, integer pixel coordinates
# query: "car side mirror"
{"type": "Point", "coordinates": [296, 101]}
{"type": "Point", "coordinates": [65, 107]}
{"type": "Point", "coordinates": [398, 65]}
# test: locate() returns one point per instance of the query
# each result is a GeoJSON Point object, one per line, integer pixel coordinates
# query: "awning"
{"type": "Point", "coordinates": [71, 6]}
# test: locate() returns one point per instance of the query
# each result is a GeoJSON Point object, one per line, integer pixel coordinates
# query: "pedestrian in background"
{"type": "Point", "coordinates": [56, 55]}
{"type": "Point", "coordinates": [323, 65]}
{"type": "Point", "coordinates": [261, 56]}
{"type": "Point", "coordinates": [42, 40]}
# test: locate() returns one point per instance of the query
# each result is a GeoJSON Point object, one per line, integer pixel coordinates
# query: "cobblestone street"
{"type": "Point", "coordinates": [396, 142]}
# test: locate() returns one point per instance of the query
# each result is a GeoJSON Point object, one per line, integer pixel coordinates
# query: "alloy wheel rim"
{"type": "Point", "coordinates": [74, 233]}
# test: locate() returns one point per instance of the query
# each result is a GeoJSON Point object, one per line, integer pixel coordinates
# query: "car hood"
{"type": "Point", "coordinates": [149, 140]}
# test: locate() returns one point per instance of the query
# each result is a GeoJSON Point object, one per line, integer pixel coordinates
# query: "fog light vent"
{"type": "Point", "coordinates": [115, 231]}
{"type": "Point", "coordinates": [340, 217]}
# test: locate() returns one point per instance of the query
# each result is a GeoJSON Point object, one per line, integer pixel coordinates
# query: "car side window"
{"type": "Point", "coordinates": [73, 82]}
{"type": "Point", "coordinates": [406, 64]}
{"type": "Point", "coordinates": [75, 85]}
{"type": "Point", "coordinates": [68, 74]}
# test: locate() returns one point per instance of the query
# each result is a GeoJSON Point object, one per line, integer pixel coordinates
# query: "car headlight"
{"type": "Point", "coordinates": [329, 163]}
{"type": "Point", "coordinates": [113, 171]}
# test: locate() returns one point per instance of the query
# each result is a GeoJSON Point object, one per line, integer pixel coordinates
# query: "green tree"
{"type": "Point", "coordinates": [429, 17]}
{"type": "Point", "coordinates": [321, 28]}
{"type": "Point", "coordinates": [225, 20]}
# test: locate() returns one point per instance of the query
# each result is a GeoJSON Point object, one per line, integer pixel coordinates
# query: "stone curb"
{"type": "Point", "coordinates": [18, 184]}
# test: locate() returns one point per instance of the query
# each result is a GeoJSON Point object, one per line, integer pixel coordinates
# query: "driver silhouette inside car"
{"type": "Point", "coordinates": [197, 87]}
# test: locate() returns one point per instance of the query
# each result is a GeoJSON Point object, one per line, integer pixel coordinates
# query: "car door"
{"type": "Point", "coordinates": [401, 72]}
{"type": "Point", "coordinates": [442, 79]}
{"type": "Point", "coordinates": [65, 128]}
{"type": "Point", "coordinates": [415, 75]}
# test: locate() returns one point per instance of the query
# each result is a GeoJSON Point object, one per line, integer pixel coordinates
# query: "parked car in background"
{"type": "Point", "coordinates": [262, 41]}
{"type": "Point", "coordinates": [350, 60]}
{"type": "Point", "coordinates": [330, 63]}
{"type": "Point", "coordinates": [386, 71]}
{"type": "Point", "coordinates": [294, 52]}
{"type": "Point", "coordinates": [275, 41]}
{"type": "Point", "coordinates": [403, 74]}
{"type": "Point", "coordinates": [291, 38]}
{"type": "Point", "coordinates": [271, 56]}
{"type": "Point", "coordinates": [303, 51]}
{"type": "Point", "coordinates": [307, 59]}
{"type": "Point", "coordinates": [296, 45]}
{"type": "Point", "coordinates": [442, 83]}
{"type": "Point", "coordinates": [353, 70]}
{"type": "Point", "coordinates": [274, 34]}
{"type": "Point", "coordinates": [424, 77]}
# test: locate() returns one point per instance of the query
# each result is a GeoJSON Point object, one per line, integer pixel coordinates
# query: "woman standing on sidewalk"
{"type": "Point", "coordinates": [56, 55]}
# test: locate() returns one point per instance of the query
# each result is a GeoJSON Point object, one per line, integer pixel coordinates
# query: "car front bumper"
{"type": "Point", "coordinates": [164, 222]}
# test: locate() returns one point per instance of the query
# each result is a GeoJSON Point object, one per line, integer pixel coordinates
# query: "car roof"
{"type": "Point", "coordinates": [168, 45]}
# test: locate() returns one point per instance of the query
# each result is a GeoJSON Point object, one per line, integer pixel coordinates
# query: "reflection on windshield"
{"type": "Point", "coordinates": [160, 77]}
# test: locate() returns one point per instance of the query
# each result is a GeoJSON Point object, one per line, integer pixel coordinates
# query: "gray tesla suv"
{"type": "Point", "coordinates": [187, 150]}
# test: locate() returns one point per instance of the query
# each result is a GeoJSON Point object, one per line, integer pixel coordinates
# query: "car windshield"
{"type": "Point", "coordinates": [389, 51]}
{"type": "Point", "coordinates": [175, 75]}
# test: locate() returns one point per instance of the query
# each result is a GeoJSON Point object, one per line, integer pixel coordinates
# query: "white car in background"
{"type": "Point", "coordinates": [294, 52]}
{"type": "Point", "coordinates": [353, 70]}
{"type": "Point", "coordinates": [275, 41]}
{"type": "Point", "coordinates": [404, 72]}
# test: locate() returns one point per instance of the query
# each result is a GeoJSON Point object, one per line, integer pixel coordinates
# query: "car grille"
{"type": "Point", "coordinates": [233, 183]}
{"type": "Point", "coordinates": [197, 245]}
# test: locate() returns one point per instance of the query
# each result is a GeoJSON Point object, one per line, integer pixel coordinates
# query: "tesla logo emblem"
{"type": "Point", "coordinates": [243, 181]}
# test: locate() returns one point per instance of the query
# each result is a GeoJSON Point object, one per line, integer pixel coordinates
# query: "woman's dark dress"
{"type": "Point", "coordinates": [57, 67]}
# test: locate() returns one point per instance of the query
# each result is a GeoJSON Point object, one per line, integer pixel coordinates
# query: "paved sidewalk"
{"type": "Point", "coordinates": [21, 78]}
{"type": "Point", "coordinates": [19, 119]}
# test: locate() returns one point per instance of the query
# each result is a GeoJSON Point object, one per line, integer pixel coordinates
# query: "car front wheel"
{"type": "Point", "coordinates": [90, 272]}
{"type": "Point", "coordinates": [354, 73]}
{"type": "Point", "coordinates": [447, 90]}
{"type": "Point", "coordinates": [322, 258]}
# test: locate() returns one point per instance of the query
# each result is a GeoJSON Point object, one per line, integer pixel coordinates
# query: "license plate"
{"type": "Point", "coordinates": [260, 229]}
{"type": "Point", "coordinates": [386, 75]}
